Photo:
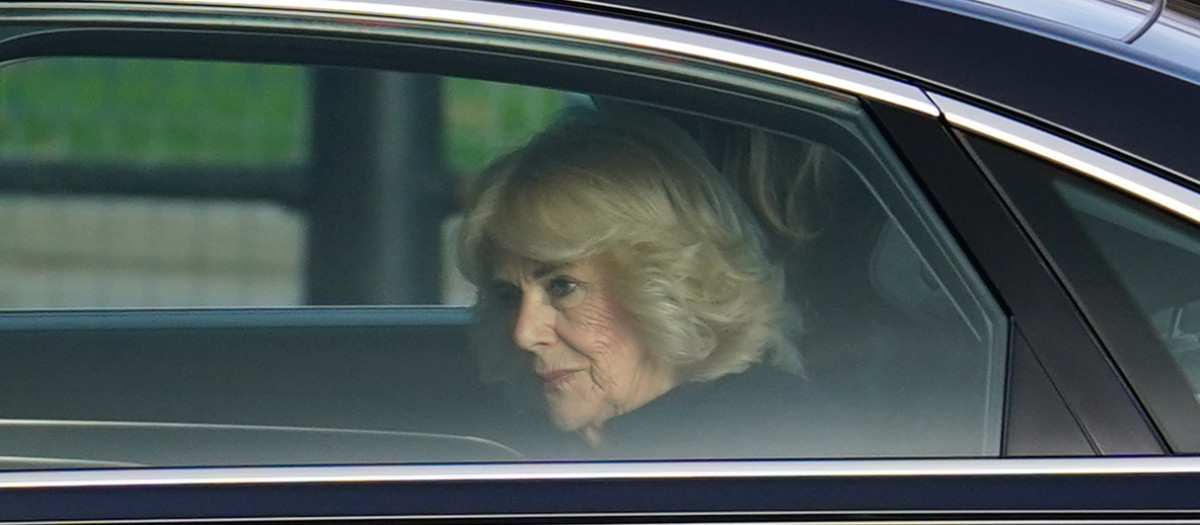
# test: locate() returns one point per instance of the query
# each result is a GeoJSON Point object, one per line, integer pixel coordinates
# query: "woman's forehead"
{"type": "Point", "coordinates": [514, 268]}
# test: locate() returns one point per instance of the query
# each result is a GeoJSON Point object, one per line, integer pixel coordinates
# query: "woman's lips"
{"type": "Point", "coordinates": [555, 379]}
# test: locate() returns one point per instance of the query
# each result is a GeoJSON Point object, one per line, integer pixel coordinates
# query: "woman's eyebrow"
{"type": "Point", "coordinates": [545, 269]}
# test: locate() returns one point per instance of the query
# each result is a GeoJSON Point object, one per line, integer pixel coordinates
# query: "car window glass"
{"type": "Point", "coordinates": [1154, 257]}
{"type": "Point", "coordinates": [155, 183]}
{"type": "Point", "coordinates": [131, 184]}
{"type": "Point", "coordinates": [1127, 263]}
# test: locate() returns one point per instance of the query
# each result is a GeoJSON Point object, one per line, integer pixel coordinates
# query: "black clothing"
{"type": "Point", "coordinates": [760, 413]}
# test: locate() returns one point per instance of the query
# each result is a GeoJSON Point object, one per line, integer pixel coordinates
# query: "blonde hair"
{"type": "Point", "coordinates": [638, 193]}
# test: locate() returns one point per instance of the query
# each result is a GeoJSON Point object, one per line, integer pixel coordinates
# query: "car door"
{"type": "Point", "coordinates": [932, 318]}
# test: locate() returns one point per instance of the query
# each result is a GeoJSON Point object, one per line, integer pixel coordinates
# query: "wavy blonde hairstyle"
{"type": "Point", "coordinates": [637, 193]}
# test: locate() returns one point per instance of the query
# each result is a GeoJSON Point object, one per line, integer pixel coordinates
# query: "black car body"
{"type": "Point", "coordinates": [1021, 207]}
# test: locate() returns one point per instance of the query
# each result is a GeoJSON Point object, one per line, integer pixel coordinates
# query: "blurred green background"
{"type": "Point", "coordinates": [118, 243]}
{"type": "Point", "coordinates": [158, 111]}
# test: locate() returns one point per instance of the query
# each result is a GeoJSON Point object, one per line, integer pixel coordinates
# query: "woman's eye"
{"type": "Point", "coordinates": [560, 287]}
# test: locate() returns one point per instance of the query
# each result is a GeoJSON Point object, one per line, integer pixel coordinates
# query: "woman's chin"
{"type": "Point", "coordinates": [588, 429]}
{"type": "Point", "coordinates": [566, 421]}
{"type": "Point", "coordinates": [572, 418]}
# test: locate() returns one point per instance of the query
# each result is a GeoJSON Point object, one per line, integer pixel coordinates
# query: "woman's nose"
{"type": "Point", "coordinates": [534, 327]}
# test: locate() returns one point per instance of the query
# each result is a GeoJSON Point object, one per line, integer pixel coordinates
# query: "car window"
{"type": "Point", "coordinates": [1129, 261]}
{"type": "Point", "coordinates": [1153, 257]}
{"type": "Point", "coordinates": [846, 321]}
{"type": "Point", "coordinates": [156, 183]}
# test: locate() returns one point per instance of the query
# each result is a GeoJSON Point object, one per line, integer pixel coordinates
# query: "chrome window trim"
{"type": "Point", "coordinates": [1090, 163]}
{"type": "Point", "coordinates": [145, 425]}
{"type": "Point", "coordinates": [560, 23]}
{"type": "Point", "coordinates": [1011, 517]}
{"type": "Point", "coordinates": [597, 471]}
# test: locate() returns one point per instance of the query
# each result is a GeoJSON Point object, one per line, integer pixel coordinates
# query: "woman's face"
{"type": "Point", "coordinates": [585, 346]}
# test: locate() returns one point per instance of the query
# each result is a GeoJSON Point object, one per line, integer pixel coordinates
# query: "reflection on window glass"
{"type": "Point", "coordinates": [1156, 259]}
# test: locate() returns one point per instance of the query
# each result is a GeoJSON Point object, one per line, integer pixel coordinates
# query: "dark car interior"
{"type": "Point", "coordinates": [878, 326]}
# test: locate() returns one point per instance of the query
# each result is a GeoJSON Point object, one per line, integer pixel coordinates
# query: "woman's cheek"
{"type": "Point", "coordinates": [595, 349]}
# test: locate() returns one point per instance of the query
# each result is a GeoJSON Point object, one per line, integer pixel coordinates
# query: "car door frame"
{"type": "Point", "coordinates": [1051, 350]}
{"type": "Point", "coordinates": [1047, 335]}
{"type": "Point", "coordinates": [1052, 341]}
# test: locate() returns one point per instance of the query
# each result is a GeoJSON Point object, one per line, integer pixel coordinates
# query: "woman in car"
{"type": "Point", "coordinates": [617, 259]}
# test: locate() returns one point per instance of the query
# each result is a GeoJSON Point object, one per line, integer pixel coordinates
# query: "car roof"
{"type": "Point", "coordinates": [1074, 82]}
{"type": "Point", "coordinates": [1153, 33]}
{"type": "Point", "coordinates": [1116, 19]}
